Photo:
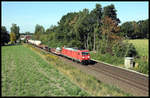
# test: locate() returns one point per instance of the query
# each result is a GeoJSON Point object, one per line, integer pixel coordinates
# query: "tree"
{"type": "Point", "coordinates": [109, 33]}
{"type": "Point", "coordinates": [38, 31]}
{"type": "Point", "coordinates": [96, 15]}
{"type": "Point", "coordinates": [127, 29]}
{"type": "Point", "coordinates": [135, 30]}
{"type": "Point", "coordinates": [110, 11]}
{"type": "Point", "coordinates": [143, 28]}
{"type": "Point", "coordinates": [5, 38]}
{"type": "Point", "coordinates": [27, 33]}
{"type": "Point", "coordinates": [50, 29]}
{"type": "Point", "coordinates": [15, 29]}
{"type": "Point", "coordinates": [83, 28]}
{"type": "Point", "coordinates": [12, 37]}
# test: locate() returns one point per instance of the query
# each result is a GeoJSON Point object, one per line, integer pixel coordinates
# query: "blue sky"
{"type": "Point", "coordinates": [27, 14]}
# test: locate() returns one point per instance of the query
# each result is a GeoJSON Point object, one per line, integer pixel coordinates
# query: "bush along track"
{"type": "Point", "coordinates": [87, 82]}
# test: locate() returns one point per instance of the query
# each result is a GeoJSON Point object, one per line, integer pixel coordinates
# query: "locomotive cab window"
{"type": "Point", "coordinates": [85, 53]}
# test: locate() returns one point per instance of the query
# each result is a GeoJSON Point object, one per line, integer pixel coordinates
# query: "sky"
{"type": "Point", "coordinates": [27, 14]}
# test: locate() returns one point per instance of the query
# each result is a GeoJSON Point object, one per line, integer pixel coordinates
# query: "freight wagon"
{"type": "Point", "coordinates": [81, 56]}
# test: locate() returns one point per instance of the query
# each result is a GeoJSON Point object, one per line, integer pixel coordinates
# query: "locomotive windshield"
{"type": "Point", "coordinates": [85, 53]}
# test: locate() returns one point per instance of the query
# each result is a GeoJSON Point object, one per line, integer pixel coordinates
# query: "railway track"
{"type": "Point", "coordinates": [124, 80]}
{"type": "Point", "coordinates": [128, 81]}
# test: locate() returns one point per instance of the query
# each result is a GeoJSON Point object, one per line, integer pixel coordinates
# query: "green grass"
{"type": "Point", "coordinates": [141, 46]}
{"type": "Point", "coordinates": [24, 73]}
{"type": "Point", "coordinates": [87, 82]}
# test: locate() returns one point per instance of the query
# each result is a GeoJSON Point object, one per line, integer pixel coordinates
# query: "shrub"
{"type": "Point", "coordinates": [131, 51]}
{"type": "Point", "coordinates": [143, 66]}
{"type": "Point", "coordinates": [119, 49]}
{"type": "Point", "coordinates": [122, 49]}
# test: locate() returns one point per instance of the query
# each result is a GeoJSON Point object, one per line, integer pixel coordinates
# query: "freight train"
{"type": "Point", "coordinates": [81, 56]}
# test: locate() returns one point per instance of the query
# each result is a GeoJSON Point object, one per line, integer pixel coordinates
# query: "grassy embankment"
{"type": "Point", "coordinates": [141, 62]}
{"type": "Point", "coordinates": [25, 73]}
{"type": "Point", "coordinates": [87, 82]}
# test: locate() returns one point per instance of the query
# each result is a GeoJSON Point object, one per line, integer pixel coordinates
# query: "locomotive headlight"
{"type": "Point", "coordinates": [83, 57]}
{"type": "Point", "coordinates": [88, 56]}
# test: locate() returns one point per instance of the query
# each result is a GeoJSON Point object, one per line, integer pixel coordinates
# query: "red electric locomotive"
{"type": "Point", "coordinates": [82, 56]}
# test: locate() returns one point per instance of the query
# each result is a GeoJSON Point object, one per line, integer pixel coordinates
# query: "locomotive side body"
{"type": "Point", "coordinates": [82, 56]}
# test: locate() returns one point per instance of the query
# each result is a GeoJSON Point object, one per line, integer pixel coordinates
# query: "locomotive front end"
{"type": "Point", "coordinates": [85, 57]}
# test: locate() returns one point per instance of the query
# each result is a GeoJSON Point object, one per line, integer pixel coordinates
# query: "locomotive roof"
{"type": "Point", "coordinates": [71, 49]}
{"type": "Point", "coordinates": [76, 49]}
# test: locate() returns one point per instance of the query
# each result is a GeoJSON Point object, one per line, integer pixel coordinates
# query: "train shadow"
{"type": "Point", "coordinates": [91, 62]}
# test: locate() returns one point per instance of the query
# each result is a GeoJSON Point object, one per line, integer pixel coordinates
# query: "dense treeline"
{"type": "Point", "coordinates": [12, 37]}
{"type": "Point", "coordinates": [27, 33]}
{"type": "Point", "coordinates": [96, 30]}
{"type": "Point", "coordinates": [91, 30]}
{"type": "Point", "coordinates": [135, 30]}
{"type": "Point", "coordinates": [81, 29]}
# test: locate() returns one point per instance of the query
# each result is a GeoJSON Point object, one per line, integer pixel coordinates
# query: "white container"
{"type": "Point", "coordinates": [37, 42]}
{"type": "Point", "coordinates": [22, 38]}
{"type": "Point", "coordinates": [128, 62]}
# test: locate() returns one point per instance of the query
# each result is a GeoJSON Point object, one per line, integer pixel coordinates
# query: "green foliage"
{"type": "Point", "coordinates": [111, 12]}
{"type": "Point", "coordinates": [135, 30]}
{"type": "Point", "coordinates": [119, 49]}
{"type": "Point", "coordinates": [27, 33]}
{"type": "Point", "coordinates": [74, 43]}
{"type": "Point", "coordinates": [38, 31]}
{"type": "Point", "coordinates": [15, 29]}
{"type": "Point", "coordinates": [118, 61]}
{"type": "Point", "coordinates": [142, 67]}
{"type": "Point", "coordinates": [13, 37]}
{"type": "Point", "coordinates": [96, 30]}
{"type": "Point", "coordinates": [123, 49]}
{"type": "Point", "coordinates": [5, 38]}
{"type": "Point", "coordinates": [74, 29]}
{"type": "Point", "coordinates": [103, 46]}
{"type": "Point", "coordinates": [141, 63]}
{"type": "Point", "coordinates": [131, 51]}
